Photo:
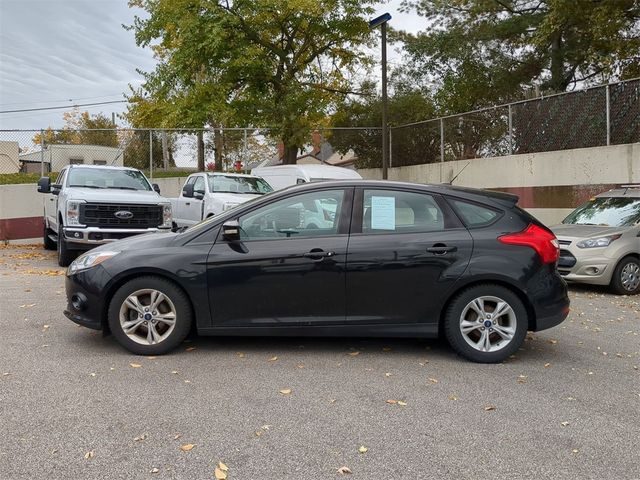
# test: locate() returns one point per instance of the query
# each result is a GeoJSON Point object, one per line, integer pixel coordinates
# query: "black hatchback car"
{"type": "Point", "coordinates": [348, 258]}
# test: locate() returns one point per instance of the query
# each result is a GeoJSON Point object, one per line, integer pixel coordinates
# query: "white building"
{"type": "Point", "coordinates": [9, 157]}
{"type": "Point", "coordinates": [56, 157]}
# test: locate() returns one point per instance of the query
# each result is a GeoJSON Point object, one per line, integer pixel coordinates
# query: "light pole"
{"type": "Point", "coordinates": [382, 21]}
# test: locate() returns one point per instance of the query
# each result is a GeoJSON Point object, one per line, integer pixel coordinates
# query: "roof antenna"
{"type": "Point", "coordinates": [451, 181]}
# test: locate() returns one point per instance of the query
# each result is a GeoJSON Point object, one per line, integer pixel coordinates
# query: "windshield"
{"type": "Point", "coordinates": [108, 178]}
{"type": "Point", "coordinates": [607, 211]}
{"type": "Point", "coordinates": [231, 184]}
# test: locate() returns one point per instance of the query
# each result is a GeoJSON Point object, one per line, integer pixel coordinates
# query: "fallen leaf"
{"type": "Point", "coordinates": [522, 379]}
{"type": "Point", "coordinates": [344, 471]}
{"type": "Point", "coordinates": [54, 451]}
{"type": "Point", "coordinates": [154, 470]}
{"type": "Point", "coordinates": [140, 438]}
{"type": "Point", "coordinates": [240, 354]}
{"type": "Point", "coordinates": [392, 402]}
{"type": "Point", "coordinates": [92, 374]}
{"type": "Point", "coordinates": [354, 354]}
{"type": "Point", "coordinates": [564, 424]}
{"type": "Point", "coordinates": [89, 455]}
{"type": "Point", "coordinates": [453, 397]}
{"type": "Point", "coordinates": [223, 467]}
{"type": "Point", "coordinates": [45, 328]}
{"type": "Point", "coordinates": [175, 372]}
{"type": "Point", "coordinates": [547, 365]}
{"type": "Point", "coordinates": [433, 380]}
{"type": "Point", "coordinates": [219, 474]}
{"type": "Point", "coordinates": [285, 391]}
{"type": "Point", "coordinates": [401, 403]}
{"type": "Point", "coordinates": [553, 341]}
{"type": "Point", "coordinates": [388, 374]}
{"type": "Point", "coordinates": [273, 359]}
{"type": "Point", "coordinates": [151, 358]}
{"type": "Point", "coordinates": [189, 349]}
{"type": "Point", "coordinates": [575, 450]}
{"type": "Point", "coordinates": [6, 374]}
{"type": "Point", "coordinates": [177, 436]}
{"type": "Point", "coordinates": [135, 365]}
{"type": "Point", "coordinates": [300, 366]}
{"type": "Point", "coordinates": [187, 447]}
{"type": "Point", "coordinates": [489, 408]}
{"type": "Point", "coordinates": [363, 449]}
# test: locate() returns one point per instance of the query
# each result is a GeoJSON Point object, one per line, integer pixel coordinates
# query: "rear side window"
{"type": "Point", "coordinates": [474, 215]}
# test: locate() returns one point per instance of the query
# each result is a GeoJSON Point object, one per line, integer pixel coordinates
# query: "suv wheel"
{"type": "Point", "coordinates": [48, 243]}
{"type": "Point", "coordinates": [486, 323]}
{"type": "Point", "coordinates": [626, 277]}
{"type": "Point", "coordinates": [65, 255]}
{"type": "Point", "coordinates": [150, 316]}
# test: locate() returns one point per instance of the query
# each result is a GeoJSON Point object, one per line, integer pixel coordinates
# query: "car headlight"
{"type": "Point", "coordinates": [89, 260]}
{"type": "Point", "coordinates": [598, 242]}
{"type": "Point", "coordinates": [73, 212]}
{"type": "Point", "coordinates": [167, 215]}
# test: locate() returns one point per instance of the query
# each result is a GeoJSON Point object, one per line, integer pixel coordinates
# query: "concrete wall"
{"type": "Point", "coordinates": [550, 184]}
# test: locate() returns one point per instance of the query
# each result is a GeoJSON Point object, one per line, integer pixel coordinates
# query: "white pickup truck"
{"type": "Point", "coordinates": [90, 205]}
{"type": "Point", "coordinates": [206, 194]}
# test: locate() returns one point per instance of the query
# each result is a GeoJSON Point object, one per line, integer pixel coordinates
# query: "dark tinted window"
{"type": "Point", "coordinates": [474, 215]}
{"type": "Point", "coordinates": [387, 211]}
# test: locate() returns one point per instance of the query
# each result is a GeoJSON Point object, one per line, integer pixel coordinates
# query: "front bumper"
{"type": "Point", "coordinates": [585, 265]}
{"type": "Point", "coordinates": [85, 297]}
{"type": "Point", "coordinates": [93, 236]}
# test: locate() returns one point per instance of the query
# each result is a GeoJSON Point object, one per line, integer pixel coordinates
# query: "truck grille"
{"type": "Point", "coordinates": [104, 215]}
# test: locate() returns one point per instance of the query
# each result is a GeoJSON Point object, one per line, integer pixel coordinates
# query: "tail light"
{"type": "Point", "coordinates": [540, 239]}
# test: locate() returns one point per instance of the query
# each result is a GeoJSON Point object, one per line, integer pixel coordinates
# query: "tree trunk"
{"type": "Point", "coordinates": [218, 145]}
{"type": "Point", "coordinates": [558, 81]}
{"type": "Point", "coordinates": [200, 143]}
{"type": "Point", "coordinates": [290, 154]}
{"type": "Point", "coordinates": [165, 150]}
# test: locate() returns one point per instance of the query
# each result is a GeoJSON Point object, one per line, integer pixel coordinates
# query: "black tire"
{"type": "Point", "coordinates": [176, 298]}
{"type": "Point", "coordinates": [65, 255]}
{"type": "Point", "coordinates": [622, 269]}
{"type": "Point", "coordinates": [515, 321]}
{"type": "Point", "coordinates": [48, 243]}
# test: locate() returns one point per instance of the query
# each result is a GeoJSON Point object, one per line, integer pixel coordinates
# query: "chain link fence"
{"type": "Point", "coordinates": [604, 115]}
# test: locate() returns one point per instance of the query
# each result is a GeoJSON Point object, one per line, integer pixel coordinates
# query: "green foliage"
{"type": "Point", "coordinates": [270, 63]}
{"type": "Point", "coordinates": [136, 149]}
{"type": "Point", "coordinates": [405, 106]}
{"type": "Point", "coordinates": [481, 52]}
{"type": "Point", "coordinates": [76, 130]}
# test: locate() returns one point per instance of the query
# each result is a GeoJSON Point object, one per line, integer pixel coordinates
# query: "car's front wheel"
{"type": "Point", "coordinates": [626, 277]}
{"type": "Point", "coordinates": [486, 323]}
{"type": "Point", "coordinates": [150, 315]}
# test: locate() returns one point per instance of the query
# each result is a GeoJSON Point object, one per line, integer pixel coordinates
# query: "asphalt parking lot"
{"type": "Point", "coordinates": [74, 404]}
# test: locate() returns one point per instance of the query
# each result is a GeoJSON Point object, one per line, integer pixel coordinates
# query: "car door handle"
{"type": "Point", "coordinates": [441, 249]}
{"type": "Point", "coordinates": [318, 254]}
{"type": "Point", "coordinates": [51, 199]}
{"type": "Point", "coordinates": [188, 203]}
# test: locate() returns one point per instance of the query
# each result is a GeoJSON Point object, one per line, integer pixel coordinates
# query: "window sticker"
{"type": "Point", "coordinates": [383, 213]}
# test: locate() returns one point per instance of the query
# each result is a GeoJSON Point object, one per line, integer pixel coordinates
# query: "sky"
{"type": "Point", "coordinates": [66, 52]}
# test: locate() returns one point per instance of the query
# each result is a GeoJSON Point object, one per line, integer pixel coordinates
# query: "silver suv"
{"type": "Point", "coordinates": [600, 241]}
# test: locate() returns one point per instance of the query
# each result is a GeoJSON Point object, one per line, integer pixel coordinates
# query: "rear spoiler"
{"type": "Point", "coordinates": [506, 199]}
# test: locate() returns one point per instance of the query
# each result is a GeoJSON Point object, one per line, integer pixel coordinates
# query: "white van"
{"type": "Point", "coordinates": [282, 176]}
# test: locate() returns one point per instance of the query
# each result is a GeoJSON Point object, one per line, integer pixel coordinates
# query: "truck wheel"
{"type": "Point", "coordinates": [65, 255]}
{"type": "Point", "coordinates": [150, 315]}
{"type": "Point", "coordinates": [48, 243]}
{"type": "Point", "coordinates": [626, 277]}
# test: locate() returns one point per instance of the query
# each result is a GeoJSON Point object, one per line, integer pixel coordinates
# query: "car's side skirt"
{"type": "Point", "coordinates": [425, 330]}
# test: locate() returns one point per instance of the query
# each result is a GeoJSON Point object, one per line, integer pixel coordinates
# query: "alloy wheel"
{"type": "Point", "coordinates": [147, 316]}
{"type": "Point", "coordinates": [630, 276]}
{"type": "Point", "coordinates": [488, 323]}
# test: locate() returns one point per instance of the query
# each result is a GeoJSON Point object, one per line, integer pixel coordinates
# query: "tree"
{"type": "Point", "coordinates": [269, 63]}
{"type": "Point", "coordinates": [482, 52]}
{"type": "Point", "coordinates": [81, 128]}
{"type": "Point", "coordinates": [409, 145]}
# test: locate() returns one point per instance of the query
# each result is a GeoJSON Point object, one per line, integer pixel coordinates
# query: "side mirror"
{"type": "Point", "coordinates": [198, 194]}
{"type": "Point", "coordinates": [44, 185]}
{"type": "Point", "coordinates": [187, 191]}
{"type": "Point", "coordinates": [156, 188]}
{"type": "Point", "coordinates": [231, 231]}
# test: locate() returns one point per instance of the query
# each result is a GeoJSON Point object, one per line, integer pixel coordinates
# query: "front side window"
{"type": "Point", "coordinates": [387, 211]}
{"type": "Point", "coordinates": [607, 211]}
{"type": "Point", "coordinates": [234, 184]}
{"type": "Point", "coordinates": [108, 178]}
{"type": "Point", "coordinates": [198, 186]}
{"type": "Point", "coordinates": [308, 215]}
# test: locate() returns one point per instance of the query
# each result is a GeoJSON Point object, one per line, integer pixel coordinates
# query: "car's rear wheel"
{"type": "Point", "coordinates": [48, 243]}
{"type": "Point", "coordinates": [486, 323]}
{"type": "Point", "coordinates": [150, 315]}
{"type": "Point", "coordinates": [626, 277]}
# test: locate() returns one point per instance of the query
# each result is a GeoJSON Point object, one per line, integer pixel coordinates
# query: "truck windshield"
{"type": "Point", "coordinates": [233, 184]}
{"type": "Point", "coordinates": [607, 211]}
{"type": "Point", "coordinates": [108, 178]}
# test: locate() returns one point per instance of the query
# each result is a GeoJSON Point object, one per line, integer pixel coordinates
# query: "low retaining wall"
{"type": "Point", "coordinates": [549, 184]}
